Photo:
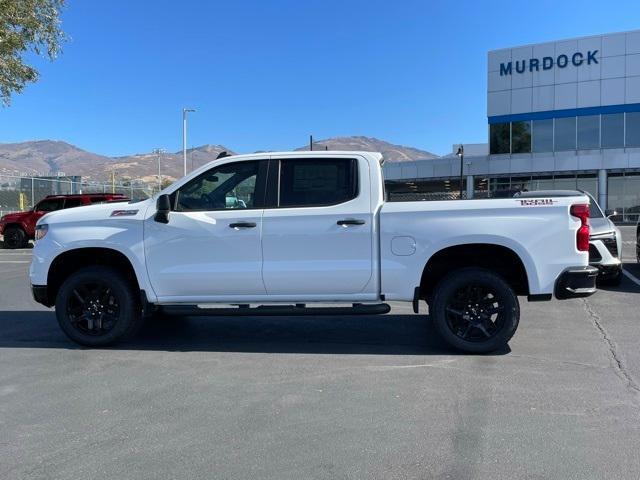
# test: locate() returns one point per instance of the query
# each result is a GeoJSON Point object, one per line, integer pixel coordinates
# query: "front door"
{"type": "Point", "coordinates": [317, 231]}
{"type": "Point", "coordinates": [210, 249]}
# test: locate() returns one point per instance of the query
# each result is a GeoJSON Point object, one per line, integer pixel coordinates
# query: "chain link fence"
{"type": "Point", "coordinates": [20, 193]}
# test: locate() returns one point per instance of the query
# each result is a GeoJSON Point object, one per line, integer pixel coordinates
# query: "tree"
{"type": "Point", "coordinates": [26, 26]}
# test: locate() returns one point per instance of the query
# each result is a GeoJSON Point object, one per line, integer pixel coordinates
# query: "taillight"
{"type": "Point", "coordinates": [582, 237]}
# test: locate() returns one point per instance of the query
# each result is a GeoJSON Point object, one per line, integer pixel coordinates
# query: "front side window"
{"type": "Point", "coordinates": [49, 205]}
{"type": "Point", "coordinates": [317, 181]}
{"type": "Point", "coordinates": [228, 187]}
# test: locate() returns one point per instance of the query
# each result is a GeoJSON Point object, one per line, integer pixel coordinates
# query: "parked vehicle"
{"type": "Point", "coordinates": [19, 227]}
{"type": "Point", "coordinates": [308, 228]}
{"type": "Point", "coordinates": [605, 241]}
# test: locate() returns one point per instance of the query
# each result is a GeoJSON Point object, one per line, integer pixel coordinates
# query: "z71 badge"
{"type": "Point", "coordinates": [537, 202]}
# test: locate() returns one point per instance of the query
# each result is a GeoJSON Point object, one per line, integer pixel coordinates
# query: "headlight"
{"type": "Point", "coordinates": [41, 231]}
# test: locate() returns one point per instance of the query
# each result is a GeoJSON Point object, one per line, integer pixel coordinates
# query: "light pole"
{"type": "Point", "coordinates": [159, 152]}
{"type": "Point", "coordinates": [460, 153]}
{"type": "Point", "coordinates": [184, 136]}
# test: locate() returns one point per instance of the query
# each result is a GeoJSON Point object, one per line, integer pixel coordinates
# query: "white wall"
{"type": "Point", "coordinates": [614, 80]}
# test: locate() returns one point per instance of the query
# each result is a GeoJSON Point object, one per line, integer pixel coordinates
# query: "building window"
{"type": "Point", "coordinates": [633, 129]}
{"type": "Point", "coordinates": [565, 134]}
{"type": "Point", "coordinates": [542, 136]}
{"type": "Point", "coordinates": [499, 138]}
{"type": "Point", "coordinates": [589, 132]}
{"type": "Point", "coordinates": [521, 137]}
{"type": "Point", "coordinates": [613, 130]}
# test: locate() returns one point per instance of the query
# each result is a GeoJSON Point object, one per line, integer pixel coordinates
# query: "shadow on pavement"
{"type": "Point", "coordinates": [384, 335]}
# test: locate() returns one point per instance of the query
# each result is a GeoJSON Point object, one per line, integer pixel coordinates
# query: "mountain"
{"type": "Point", "coordinates": [391, 152]}
{"type": "Point", "coordinates": [45, 157]}
{"type": "Point", "coordinates": [144, 166]}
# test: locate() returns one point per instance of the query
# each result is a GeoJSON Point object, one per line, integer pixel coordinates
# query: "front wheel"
{"type": "Point", "coordinates": [14, 237]}
{"type": "Point", "coordinates": [96, 306]}
{"type": "Point", "coordinates": [475, 310]}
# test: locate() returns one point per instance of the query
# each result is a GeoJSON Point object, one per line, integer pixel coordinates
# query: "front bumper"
{"type": "Point", "coordinates": [41, 295]}
{"type": "Point", "coordinates": [575, 282]}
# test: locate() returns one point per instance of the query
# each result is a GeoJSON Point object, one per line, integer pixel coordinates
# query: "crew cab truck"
{"type": "Point", "coordinates": [304, 229]}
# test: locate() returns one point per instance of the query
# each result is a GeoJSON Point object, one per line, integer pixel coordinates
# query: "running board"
{"type": "Point", "coordinates": [275, 310]}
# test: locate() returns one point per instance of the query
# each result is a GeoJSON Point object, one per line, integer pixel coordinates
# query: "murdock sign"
{"type": "Point", "coordinates": [547, 63]}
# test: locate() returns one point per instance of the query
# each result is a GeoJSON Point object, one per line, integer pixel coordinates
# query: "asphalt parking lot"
{"type": "Point", "coordinates": [330, 397]}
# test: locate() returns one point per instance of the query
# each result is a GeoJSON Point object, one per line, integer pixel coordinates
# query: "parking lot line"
{"type": "Point", "coordinates": [631, 277]}
{"type": "Point", "coordinates": [15, 261]}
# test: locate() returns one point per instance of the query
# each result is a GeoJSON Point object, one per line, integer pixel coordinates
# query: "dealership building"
{"type": "Point", "coordinates": [560, 115]}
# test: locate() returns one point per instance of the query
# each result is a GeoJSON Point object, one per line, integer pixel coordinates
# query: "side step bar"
{"type": "Point", "coordinates": [275, 310]}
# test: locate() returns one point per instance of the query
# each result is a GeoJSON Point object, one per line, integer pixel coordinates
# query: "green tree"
{"type": "Point", "coordinates": [26, 26]}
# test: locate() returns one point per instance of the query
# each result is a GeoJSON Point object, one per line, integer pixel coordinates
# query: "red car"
{"type": "Point", "coordinates": [18, 228]}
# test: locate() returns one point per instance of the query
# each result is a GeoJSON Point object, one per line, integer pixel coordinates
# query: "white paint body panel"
{"type": "Point", "coordinates": [301, 254]}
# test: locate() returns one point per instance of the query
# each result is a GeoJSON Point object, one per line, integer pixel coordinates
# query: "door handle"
{"type": "Point", "coordinates": [344, 223]}
{"type": "Point", "coordinates": [242, 225]}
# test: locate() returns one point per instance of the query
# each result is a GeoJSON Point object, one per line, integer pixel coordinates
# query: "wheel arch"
{"type": "Point", "coordinates": [498, 258]}
{"type": "Point", "coordinates": [70, 261]}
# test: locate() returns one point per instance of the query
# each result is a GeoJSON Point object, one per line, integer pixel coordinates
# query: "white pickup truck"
{"type": "Point", "coordinates": [284, 233]}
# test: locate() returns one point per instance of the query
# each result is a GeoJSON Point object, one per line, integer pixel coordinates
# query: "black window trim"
{"type": "Point", "coordinates": [261, 179]}
{"type": "Point", "coordinates": [272, 194]}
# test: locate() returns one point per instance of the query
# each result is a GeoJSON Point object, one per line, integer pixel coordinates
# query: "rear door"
{"type": "Point", "coordinates": [317, 228]}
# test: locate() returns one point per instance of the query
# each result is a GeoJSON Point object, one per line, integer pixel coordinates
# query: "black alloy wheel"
{"type": "Point", "coordinates": [14, 237]}
{"type": "Point", "coordinates": [92, 308]}
{"type": "Point", "coordinates": [475, 310]}
{"type": "Point", "coordinates": [97, 306]}
{"type": "Point", "coordinates": [473, 313]}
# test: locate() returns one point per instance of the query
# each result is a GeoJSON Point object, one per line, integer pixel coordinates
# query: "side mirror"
{"type": "Point", "coordinates": [163, 207]}
{"type": "Point", "coordinates": [610, 212]}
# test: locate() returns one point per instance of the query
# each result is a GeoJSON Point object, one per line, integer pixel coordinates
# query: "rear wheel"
{"type": "Point", "coordinates": [475, 310]}
{"type": "Point", "coordinates": [96, 306]}
{"type": "Point", "coordinates": [15, 237]}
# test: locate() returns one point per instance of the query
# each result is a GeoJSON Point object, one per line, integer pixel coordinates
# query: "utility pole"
{"type": "Point", "coordinates": [159, 152]}
{"type": "Point", "coordinates": [113, 181]}
{"type": "Point", "coordinates": [310, 143]}
{"type": "Point", "coordinates": [184, 136]}
{"type": "Point", "coordinates": [460, 154]}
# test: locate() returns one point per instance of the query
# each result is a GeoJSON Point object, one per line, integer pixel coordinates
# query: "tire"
{"type": "Point", "coordinates": [15, 237]}
{"type": "Point", "coordinates": [475, 310]}
{"type": "Point", "coordinates": [97, 306]}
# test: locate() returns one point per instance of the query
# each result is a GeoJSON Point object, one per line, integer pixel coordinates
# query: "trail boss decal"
{"type": "Point", "coordinates": [537, 202]}
{"type": "Point", "coordinates": [123, 213]}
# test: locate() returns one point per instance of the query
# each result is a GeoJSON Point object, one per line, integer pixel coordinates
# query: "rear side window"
{"type": "Point", "coordinates": [317, 181]}
{"type": "Point", "coordinates": [72, 202]}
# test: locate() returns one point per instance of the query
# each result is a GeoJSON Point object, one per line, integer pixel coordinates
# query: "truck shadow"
{"type": "Point", "coordinates": [372, 335]}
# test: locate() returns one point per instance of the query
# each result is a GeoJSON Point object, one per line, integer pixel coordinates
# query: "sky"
{"type": "Point", "coordinates": [264, 75]}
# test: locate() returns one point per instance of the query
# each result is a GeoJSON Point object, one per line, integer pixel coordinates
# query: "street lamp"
{"type": "Point", "coordinates": [460, 154]}
{"type": "Point", "coordinates": [158, 152]}
{"type": "Point", "coordinates": [184, 136]}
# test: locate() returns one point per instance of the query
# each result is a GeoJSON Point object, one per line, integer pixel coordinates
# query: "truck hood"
{"type": "Point", "coordinates": [17, 216]}
{"type": "Point", "coordinates": [97, 212]}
